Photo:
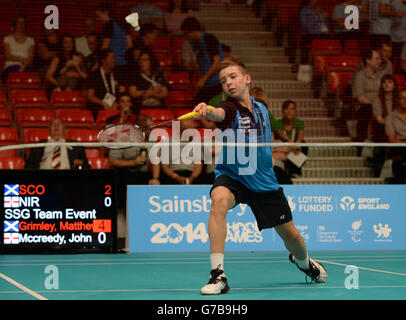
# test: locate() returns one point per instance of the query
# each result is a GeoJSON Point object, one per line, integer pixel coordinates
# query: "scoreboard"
{"type": "Point", "coordinates": [57, 211]}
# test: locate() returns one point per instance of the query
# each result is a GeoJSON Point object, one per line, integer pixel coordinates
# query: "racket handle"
{"type": "Point", "coordinates": [192, 114]}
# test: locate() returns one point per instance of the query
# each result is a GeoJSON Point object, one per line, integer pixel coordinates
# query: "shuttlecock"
{"type": "Point", "coordinates": [133, 20]}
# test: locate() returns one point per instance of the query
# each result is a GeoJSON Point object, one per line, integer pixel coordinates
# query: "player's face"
{"type": "Point", "coordinates": [234, 81]}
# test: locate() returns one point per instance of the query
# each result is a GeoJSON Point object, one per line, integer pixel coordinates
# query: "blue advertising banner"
{"type": "Point", "coordinates": [329, 217]}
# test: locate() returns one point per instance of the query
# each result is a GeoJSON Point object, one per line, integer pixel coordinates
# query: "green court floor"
{"type": "Point", "coordinates": [179, 276]}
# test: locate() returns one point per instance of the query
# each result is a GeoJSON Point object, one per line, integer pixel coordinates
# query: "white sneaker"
{"type": "Point", "coordinates": [316, 272]}
{"type": "Point", "coordinates": [217, 284]}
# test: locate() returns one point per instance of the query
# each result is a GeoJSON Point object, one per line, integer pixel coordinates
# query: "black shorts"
{"type": "Point", "coordinates": [270, 208]}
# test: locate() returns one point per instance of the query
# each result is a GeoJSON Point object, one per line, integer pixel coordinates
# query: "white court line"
{"type": "Point", "coordinates": [20, 286]}
{"type": "Point", "coordinates": [186, 262]}
{"type": "Point", "coordinates": [367, 269]}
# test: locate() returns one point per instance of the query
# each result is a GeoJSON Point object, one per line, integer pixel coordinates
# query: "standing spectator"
{"type": "Point", "coordinates": [103, 86]}
{"type": "Point", "coordinates": [92, 60]}
{"type": "Point", "coordinates": [47, 49]}
{"type": "Point", "coordinates": [57, 157]}
{"type": "Point", "coordinates": [148, 35]}
{"type": "Point", "coordinates": [398, 30]}
{"type": "Point", "coordinates": [395, 127]}
{"type": "Point", "coordinates": [209, 55]}
{"type": "Point", "coordinates": [365, 91]}
{"type": "Point", "coordinates": [149, 88]}
{"type": "Point", "coordinates": [82, 43]}
{"type": "Point", "coordinates": [62, 61]}
{"type": "Point", "coordinates": [18, 49]}
{"type": "Point", "coordinates": [177, 12]}
{"type": "Point", "coordinates": [387, 101]}
{"type": "Point", "coordinates": [314, 25]}
{"type": "Point", "coordinates": [380, 19]}
{"type": "Point", "coordinates": [149, 13]}
{"type": "Point", "coordinates": [114, 37]}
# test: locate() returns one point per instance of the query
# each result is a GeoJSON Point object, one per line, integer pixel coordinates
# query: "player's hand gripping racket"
{"type": "Point", "coordinates": [129, 133]}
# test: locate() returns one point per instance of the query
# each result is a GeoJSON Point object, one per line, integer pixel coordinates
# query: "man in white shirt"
{"type": "Point", "coordinates": [57, 157]}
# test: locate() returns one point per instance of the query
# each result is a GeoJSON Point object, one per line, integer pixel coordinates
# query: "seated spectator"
{"type": "Point", "coordinates": [149, 13]}
{"type": "Point", "coordinates": [102, 86]}
{"type": "Point", "coordinates": [61, 62]}
{"type": "Point", "coordinates": [114, 37]}
{"type": "Point", "coordinates": [395, 128]}
{"type": "Point", "coordinates": [178, 171]}
{"type": "Point", "coordinates": [386, 102]}
{"type": "Point", "coordinates": [341, 32]}
{"type": "Point", "coordinates": [148, 35]}
{"type": "Point", "coordinates": [126, 115]}
{"type": "Point", "coordinates": [289, 129]}
{"type": "Point", "coordinates": [73, 75]}
{"type": "Point", "coordinates": [149, 88]}
{"type": "Point", "coordinates": [18, 49]}
{"type": "Point", "coordinates": [314, 25]}
{"type": "Point", "coordinates": [209, 55]}
{"type": "Point", "coordinates": [57, 157]}
{"type": "Point", "coordinates": [385, 52]}
{"type": "Point", "coordinates": [177, 12]}
{"type": "Point", "coordinates": [365, 90]}
{"type": "Point", "coordinates": [82, 43]}
{"type": "Point", "coordinates": [47, 49]}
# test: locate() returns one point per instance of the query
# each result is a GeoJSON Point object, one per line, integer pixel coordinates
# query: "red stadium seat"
{"type": "Point", "coordinates": [338, 81]}
{"type": "Point", "coordinates": [29, 98]}
{"type": "Point", "coordinates": [3, 100]}
{"type": "Point", "coordinates": [352, 47]}
{"type": "Point", "coordinates": [12, 153]}
{"type": "Point", "coordinates": [179, 80]}
{"type": "Point", "coordinates": [165, 60]}
{"type": "Point", "coordinates": [158, 115]}
{"type": "Point", "coordinates": [12, 163]}
{"type": "Point", "coordinates": [400, 80]}
{"type": "Point", "coordinates": [326, 47]}
{"type": "Point", "coordinates": [81, 134]}
{"type": "Point", "coordinates": [34, 135]}
{"type": "Point", "coordinates": [67, 99]}
{"type": "Point", "coordinates": [75, 117]}
{"type": "Point", "coordinates": [8, 135]}
{"type": "Point", "coordinates": [6, 118]}
{"type": "Point", "coordinates": [179, 98]}
{"type": "Point", "coordinates": [161, 46]}
{"type": "Point", "coordinates": [103, 115]}
{"type": "Point", "coordinates": [33, 117]}
{"type": "Point", "coordinates": [99, 163]}
{"type": "Point", "coordinates": [93, 153]}
{"type": "Point", "coordinates": [23, 80]}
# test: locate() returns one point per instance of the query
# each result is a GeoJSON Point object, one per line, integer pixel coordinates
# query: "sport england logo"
{"type": "Point", "coordinates": [347, 204]}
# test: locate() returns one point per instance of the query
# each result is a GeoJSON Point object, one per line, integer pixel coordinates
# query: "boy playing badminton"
{"type": "Point", "coordinates": [260, 189]}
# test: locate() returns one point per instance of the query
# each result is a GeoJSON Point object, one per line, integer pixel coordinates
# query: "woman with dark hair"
{"type": "Point", "coordinates": [381, 107]}
{"type": "Point", "coordinates": [149, 87]}
{"type": "Point", "coordinates": [18, 49]}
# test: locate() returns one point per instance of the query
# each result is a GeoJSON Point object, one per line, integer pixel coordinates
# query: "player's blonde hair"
{"type": "Point", "coordinates": [233, 61]}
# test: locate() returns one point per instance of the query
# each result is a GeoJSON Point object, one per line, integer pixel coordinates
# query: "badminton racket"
{"type": "Point", "coordinates": [130, 133]}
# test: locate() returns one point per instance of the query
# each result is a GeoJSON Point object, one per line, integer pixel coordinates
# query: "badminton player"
{"type": "Point", "coordinates": [260, 189]}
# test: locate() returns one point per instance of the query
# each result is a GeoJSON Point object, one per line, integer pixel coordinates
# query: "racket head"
{"type": "Point", "coordinates": [121, 132]}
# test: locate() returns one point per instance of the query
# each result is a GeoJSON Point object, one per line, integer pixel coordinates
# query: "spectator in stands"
{"type": "Point", "coordinates": [398, 29]}
{"type": "Point", "coordinates": [103, 86]}
{"type": "Point", "coordinates": [73, 74]}
{"type": "Point", "coordinates": [57, 157]}
{"type": "Point", "coordinates": [380, 18]}
{"type": "Point", "coordinates": [177, 12]}
{"type": "Point", "coordinates": [91, 61]}
{"type": "Point", "coordinates": [147, 37]}
{"type": "Point", "coordinates": [19, 49]}
{"type": "Point", "coordinates": [341, 32]}
{"type": "Point", "coordinates": [114, 37]}
{"type": "Point", "coordinates": [209, 54]}
{"type": "Point", "coordinates": [61, 63]}
{"type": "Point", "coordinates": [385, 52]}
{"type": "Point", "coordinates": [395, 128]}
{"type": "Point", "coordinates": [402, 63]}
{"type": "Point", "coordinates": [149, 88]}
{"type": "Point", "coordinates": [314, 25]}
{"type": "Point", "coordinates": [365, 90]}
{"type": "Point", "coordinates": [126, 115]}
{"type": "Point", "coordinates": [387, 101]}
{"type": "Point", "coordinates": [149, 13]}
{"type": "Point", "coordinates": [47, 49]}
{"type": "Point", "coordinates": [83, 43]}
{"type": "Point", "coordinates": [177, 171]}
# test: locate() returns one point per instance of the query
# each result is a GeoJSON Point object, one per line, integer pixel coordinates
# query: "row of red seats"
{"type": "Point", "coordinates": [19, 163]}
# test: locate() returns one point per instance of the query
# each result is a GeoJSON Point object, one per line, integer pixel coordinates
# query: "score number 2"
{"type": "Point", "coordinates": [107, 192]}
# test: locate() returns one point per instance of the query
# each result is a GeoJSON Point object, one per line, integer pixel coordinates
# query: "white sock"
{"type": "Point", "coordinates": [303, 264]}
{"type": "Point", "coordinates": [217, 261]}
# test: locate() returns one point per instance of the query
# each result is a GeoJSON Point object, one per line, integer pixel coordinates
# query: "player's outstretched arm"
{"type": "Point", "coordinates": [213, 114]}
